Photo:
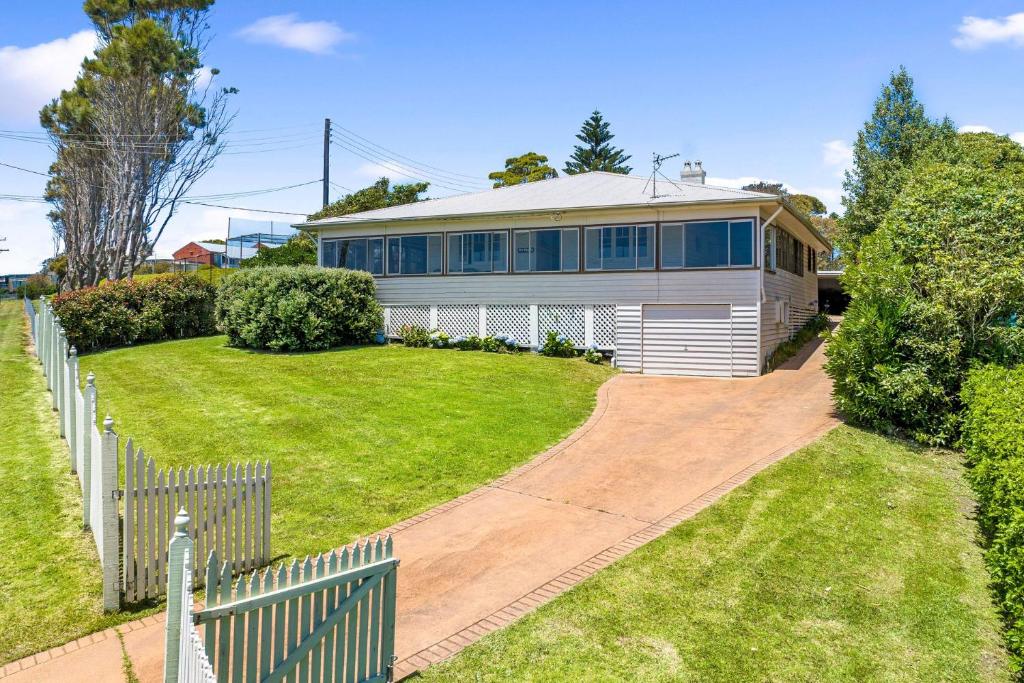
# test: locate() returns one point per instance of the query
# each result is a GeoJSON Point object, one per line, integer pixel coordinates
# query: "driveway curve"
{"type": "Point", "coordinates": [655, 451]}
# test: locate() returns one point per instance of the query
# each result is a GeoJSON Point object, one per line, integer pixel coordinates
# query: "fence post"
{"type": "Point", "coordinates": [110, 552]}
{"type": "Point", "coordinates": [54, 350]}
{"type": "Point", "coordinates": [62, 381]}
{"type": "Point", "coordinates": [89, 423]}
{"type": "Point", "coordinates": [179, 552]}
{"type": "Point", "coordinates": [44, 349]}
{"type": "Point", "coordinates": [71, 405]}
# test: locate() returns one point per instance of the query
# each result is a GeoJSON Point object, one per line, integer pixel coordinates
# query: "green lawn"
{"type": "Point", "coordinates": [359, 438]}
{"type": "Point", "coordinates": [852, 560]}
{"type": "Point", "coordinates": [49, 573]}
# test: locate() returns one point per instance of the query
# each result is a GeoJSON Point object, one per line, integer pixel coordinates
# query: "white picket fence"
{"type": "Point", "coordinates": [230, 509]}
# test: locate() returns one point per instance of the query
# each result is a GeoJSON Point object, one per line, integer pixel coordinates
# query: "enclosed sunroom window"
{"type": "Point", "coordinates": [478, 252]}
{"type": "Point", "coordinates": [415, 255]}
{"type": "Point", "coordinates": [546, 251]}
{"type": "Point", "coordinates": [355, 253]}
{"type": "Point", "coordinates": [622, 247]}
{"type": "Point", "coordinates": [707, 244]}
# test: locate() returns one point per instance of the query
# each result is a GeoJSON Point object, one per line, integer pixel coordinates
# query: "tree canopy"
{"type": "Point", "coordinates": [377, 196]}
{"type": "Point", "coordinates": [299, 250]}
{"type": "Point", "coordinates": [892, 140]}
{"type": "Point", "coordinates": [596, 152]}
{"type": "Point", "coordinates": [528, 168]}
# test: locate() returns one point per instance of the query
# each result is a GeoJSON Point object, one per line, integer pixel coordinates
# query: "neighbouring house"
{"type": "Point", "coordinates": [201, 253]}
{"type": "Point", "coordinates": [681, 279]}
{"type": "Point", "coordinates": [10, 283]}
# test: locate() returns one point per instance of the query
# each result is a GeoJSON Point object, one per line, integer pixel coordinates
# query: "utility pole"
{"type": "Point", "coordinates": [327, 161]}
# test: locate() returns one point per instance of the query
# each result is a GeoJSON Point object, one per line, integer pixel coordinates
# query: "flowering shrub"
{"type": "Point", "coordinates": [298, 308]}
{"type": "Point", "coordinates": [592, 355]}
{"type": "Point", "coordinates": [470, 343]}
{"type": "Point", "coordinates": [130, 311]}
{"type": "Point", "coordinates": [440, 340]}
{"type": "Point", "coordinates": [501, 343]}
{"type": "Point", "coordinates": [415, 336]}
{"type": "Point", "coordinates": [558, 345]}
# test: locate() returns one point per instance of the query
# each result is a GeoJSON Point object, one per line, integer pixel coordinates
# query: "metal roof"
{"type": "Point", "coordinates": [596, 189]}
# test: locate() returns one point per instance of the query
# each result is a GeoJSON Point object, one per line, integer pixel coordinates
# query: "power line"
{"type": "Point", "coordinates": [422, 170]}
{"type": "Point", "coordinates": [391, 166]}
{"type": "Point", "coordinates": [413, 161]}
{"type": "Point", "coordinates": [242, 208]}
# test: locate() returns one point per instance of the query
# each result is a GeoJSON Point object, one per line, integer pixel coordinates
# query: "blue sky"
{"type": "Point", "coordinates": [756, 90]}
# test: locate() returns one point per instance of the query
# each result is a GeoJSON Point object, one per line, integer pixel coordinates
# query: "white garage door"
{"type": "Point", "coordinates": [690, 339]}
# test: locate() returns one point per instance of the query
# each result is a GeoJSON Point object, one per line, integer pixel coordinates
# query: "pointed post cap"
{"type": "Point", "coordinates": [108, 424]}
{"type": "Point", "coordinates": [90, 378]}
{"type": "Point", "coordinates": [181, 521]}
{"type": "Point", "coordinates": [73, 351]}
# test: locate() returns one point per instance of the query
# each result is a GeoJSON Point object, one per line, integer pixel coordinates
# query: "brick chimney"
{"type": "Point", "coordinates": [693, 173]}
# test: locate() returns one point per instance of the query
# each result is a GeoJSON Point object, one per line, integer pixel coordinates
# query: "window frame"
{"type": "Point", "coordinates": [655, 242]}
{"type": "Point", "coordinates": [387, 254]}
{"type": "Point", "coordinates": [461, 235]}
{"type": "Point", "coordinates": [335, 240]}
{"type": "Point", "coordinates": [561, 250]}
{"type": "Point", "coordinates": [728, 243]}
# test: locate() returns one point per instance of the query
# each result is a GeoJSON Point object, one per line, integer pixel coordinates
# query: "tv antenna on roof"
{"type": "Point", "coordinates": [656, 161]}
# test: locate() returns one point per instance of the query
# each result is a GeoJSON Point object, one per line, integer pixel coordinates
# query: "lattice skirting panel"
{"type": "Point", "coordinates": [458, 319]}
{"type": "Point", "coordinates": [528, 324]}
{"type": "Point", "coordinates": [509, 319]}
{"type": "Point", "coordinates": [397, 316]}
{"type": "Point", "coordinates": [567, 319]}
{"type": "Point", "coordinates": [604, 326]}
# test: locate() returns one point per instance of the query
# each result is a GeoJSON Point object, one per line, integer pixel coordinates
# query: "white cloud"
{"type": "Point", "coordinates": [285, 30]}
{"type": "Point", "coordinates": [32, 76]}
{"type": "Point", "coordinates": [837, 153]}
{"type": "Point", "coordinates": [972, 128]}
{"type": "Point", "coordinates": [1018, 137]}
{"type": "Point", "coordinates": [204, 77]}
{"type": "Point", "coordinates": [373, 171]}
{"type": "Point", "coordinates": [975, 33]}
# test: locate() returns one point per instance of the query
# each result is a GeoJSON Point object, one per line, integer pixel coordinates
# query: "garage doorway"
{"type": "Point", "coordinates": [687, 339]}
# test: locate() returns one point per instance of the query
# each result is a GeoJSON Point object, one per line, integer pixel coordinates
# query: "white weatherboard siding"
{"type": "Point", "coordinates": [801, 295]}
{"type": "Point", "coordinates": [689, 286]}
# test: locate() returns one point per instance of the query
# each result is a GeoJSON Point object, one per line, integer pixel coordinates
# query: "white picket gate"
{"type": "Point", "coordinates": [228, 510]}
{"type": "Point", "coordinates": [231, 509]}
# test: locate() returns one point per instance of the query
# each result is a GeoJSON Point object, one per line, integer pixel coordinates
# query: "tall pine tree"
{"type": "Point", "coordinates": [895, 137]}
{"type": "Point", "coordinates": [596, 154]}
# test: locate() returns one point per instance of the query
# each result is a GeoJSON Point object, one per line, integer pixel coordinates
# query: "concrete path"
{"type": "Point", "coordinates": [656, 451]}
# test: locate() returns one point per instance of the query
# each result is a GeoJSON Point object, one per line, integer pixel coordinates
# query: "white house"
{"type": "Point", "coordinates": [687, 279]}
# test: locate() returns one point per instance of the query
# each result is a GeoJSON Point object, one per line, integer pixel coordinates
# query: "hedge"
{"type": "Point", "coordinates": [130, 311]}
{"type": "Point", "coordinates": [993, 437]}
{"type": "Point", "coordinates": [298, 308]}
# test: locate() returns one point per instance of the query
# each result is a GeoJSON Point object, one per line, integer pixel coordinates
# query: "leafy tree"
{"type": "Point", "coordinates": [377, 196]}
{"type": "Point", "coordinates": [932, 291]}
{"type": "Point", "coordinates": [135, 132]}
{"type": "Point", "coordinates": [897, 135]}
{"type": "Point", "coordinates": [809, 204]}
{"type": "Point", "coordinates": [300, 250]}
{"type": "Point", "coordinates": [527, 168]}
{"type": "Point", "coordinates": [596, 152]}
{"type": "Point", "coordinates": [766, 187]}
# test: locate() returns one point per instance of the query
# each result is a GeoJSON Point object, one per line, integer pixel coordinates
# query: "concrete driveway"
{"type": "Point", "coordinates": [656, 451]}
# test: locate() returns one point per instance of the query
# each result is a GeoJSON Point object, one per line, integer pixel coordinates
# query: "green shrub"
{"type": "Point", "coordinates": [415, 336]}
{"type": "Point", "coordinates": [592, 355]}
{"type": "Point", "coordinates": [131, 311]}
{"type": "Point", "coordinates": [36, 286]}
{"type": "Point", "coordinates": [928, 293]}
{"type": "Point", "coordinates": [470, 343]}
{"type": "Point", "coordinates": [557, 345]}
{"type": "Point", "coordinates": [298, 308]}
{"type": "Point", "coordinates": [439, 339]}
{"type": "Point", "coordinates": [499, 344]}
{"type": "Point", "coordinates": [993, 437]}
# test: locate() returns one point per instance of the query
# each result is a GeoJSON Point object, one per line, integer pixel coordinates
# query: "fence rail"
{"type": "Point", "coordinates": [230, 506]}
